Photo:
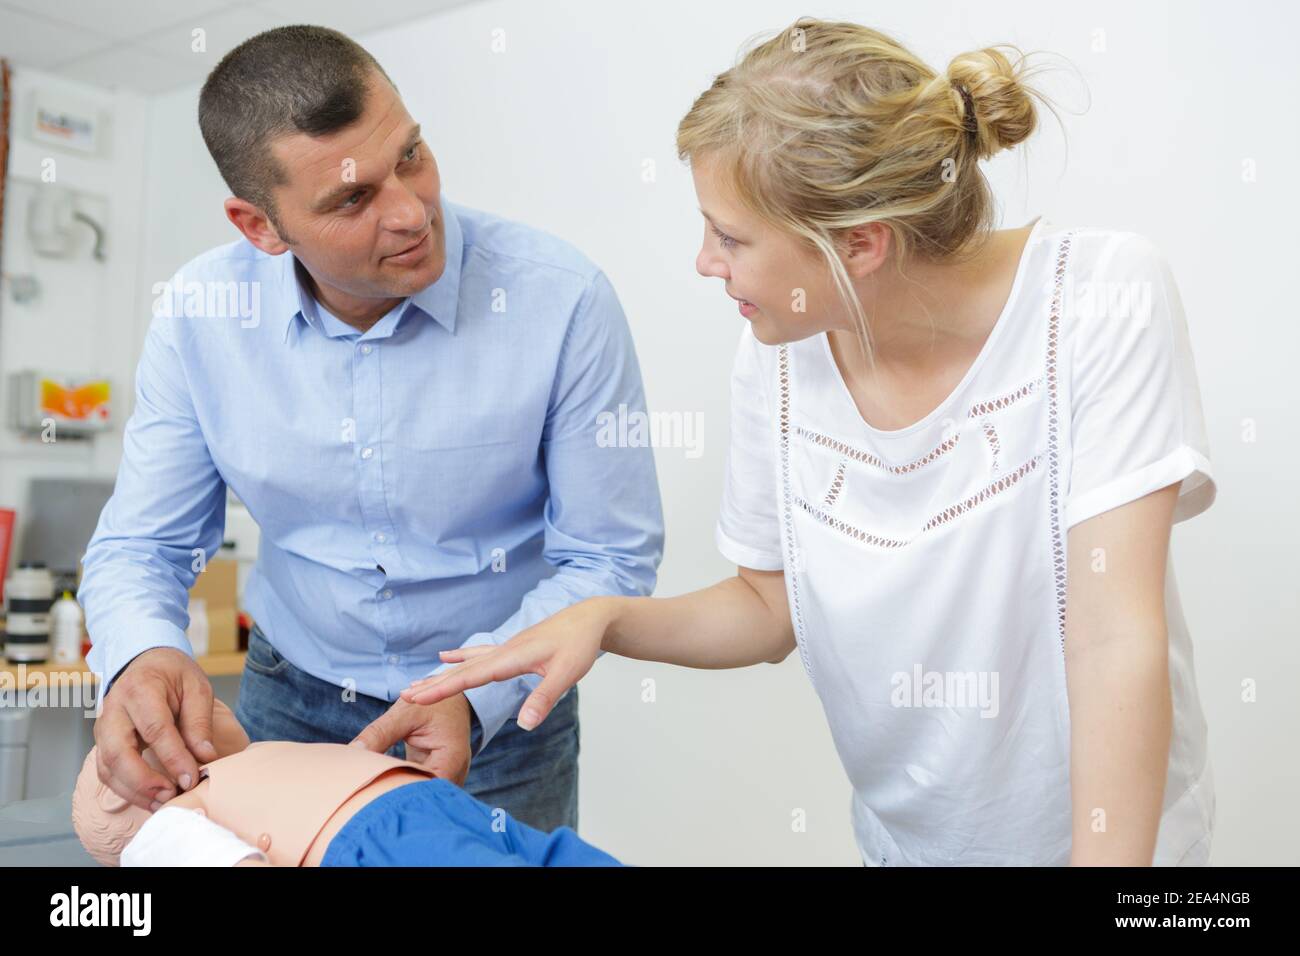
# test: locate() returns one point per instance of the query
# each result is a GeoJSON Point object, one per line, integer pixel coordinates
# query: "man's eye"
{"type": "Point", "coordinates": [413, 152]}
{"type": "Point", "coordinates": [348, 202]}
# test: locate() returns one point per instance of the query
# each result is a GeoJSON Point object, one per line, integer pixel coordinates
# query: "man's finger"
{"type": "Point", "coordinates": [196, 719]}
{"type": "Point", "coordinates": [388, 728]}
{"type": "Point", "coordinates": [120, 766]}
{"type": "Point", "coordinates": [156, 725]}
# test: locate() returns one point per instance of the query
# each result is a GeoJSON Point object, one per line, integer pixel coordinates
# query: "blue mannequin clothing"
{"type": "Point", "coordinates": [435, 823]}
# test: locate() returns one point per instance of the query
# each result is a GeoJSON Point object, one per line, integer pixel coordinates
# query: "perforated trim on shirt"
{"type": "Point", "coordinates": [1053, 433]}
{"type": "Point", "coordinates": [943, 517]}
{"type": "Point", "coordinates": [867, 458]}
{"type": "Point", "coordinates": [995, 446]}
{"type": "Point", "coordinates": [793, 564]}
{"type": "Point", "coordinates": [837, 485]}
{"type": "Point", "coordinates": [978, 410]}
{"type": "Point", "coordinates": [1004, 401]}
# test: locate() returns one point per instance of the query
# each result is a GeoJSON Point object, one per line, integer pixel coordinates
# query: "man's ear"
{"type": "Point", "coordinates": [254, 224]}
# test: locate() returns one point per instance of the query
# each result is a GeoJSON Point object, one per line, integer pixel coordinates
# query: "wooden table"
{"type": "Point", "coordinates": [214, 665]}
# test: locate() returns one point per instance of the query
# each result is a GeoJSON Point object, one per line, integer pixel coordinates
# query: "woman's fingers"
{"type": "Point", "coordinates": [457, 654]}
{"type": "Point", "coordinates": [539, 702]}
{"type": "Point", "coordinates": [499, 664]}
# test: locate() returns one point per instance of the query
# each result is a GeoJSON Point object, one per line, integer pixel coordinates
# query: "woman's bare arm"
{"type": "Point", "coordinates": [1117, 675]}
{"type": "Point", "coordinates": [740, 621]}
{"type": "Point", "coordinates": [737, 622]}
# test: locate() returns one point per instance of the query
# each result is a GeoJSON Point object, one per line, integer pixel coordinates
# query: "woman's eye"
{"type": "Point", "coordinates": [725, 240]}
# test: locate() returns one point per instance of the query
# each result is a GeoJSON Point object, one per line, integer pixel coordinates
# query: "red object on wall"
{"type": "Point", "coordinates": [7, 522]}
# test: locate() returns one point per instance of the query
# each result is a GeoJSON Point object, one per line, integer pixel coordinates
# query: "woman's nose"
{"type": "Point", "coordinates": [710, 265]}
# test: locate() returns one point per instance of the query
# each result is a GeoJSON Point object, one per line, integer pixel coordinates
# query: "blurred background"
{"type": "Point", "coordinates": [1176, 120]}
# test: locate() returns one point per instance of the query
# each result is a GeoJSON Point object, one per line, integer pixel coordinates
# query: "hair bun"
{"type": "Point", "coordinates": [1004, 111]}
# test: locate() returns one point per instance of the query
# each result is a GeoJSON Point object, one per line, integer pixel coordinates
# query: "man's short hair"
{"type": "Point", "coordinates": [296, 79]}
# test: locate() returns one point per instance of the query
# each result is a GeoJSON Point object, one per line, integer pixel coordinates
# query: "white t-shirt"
{"type": "Point", "coordinates": [926, 566]}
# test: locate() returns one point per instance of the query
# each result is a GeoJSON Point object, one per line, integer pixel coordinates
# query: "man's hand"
{"type": "Point", "coordinates": [151, 693]}
{"type": "Point", "coordinates": [436, 735]}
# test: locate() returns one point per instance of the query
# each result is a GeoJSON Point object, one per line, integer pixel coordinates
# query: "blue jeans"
{"type": "Point", "coordinates": [532, 775]}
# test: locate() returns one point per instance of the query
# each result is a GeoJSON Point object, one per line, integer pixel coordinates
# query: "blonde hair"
{"type": "Point", "coordinates": [831, 125]}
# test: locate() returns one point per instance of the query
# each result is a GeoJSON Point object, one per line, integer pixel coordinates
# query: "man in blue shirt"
{"type": "Point", "coordinates": [404, 392]}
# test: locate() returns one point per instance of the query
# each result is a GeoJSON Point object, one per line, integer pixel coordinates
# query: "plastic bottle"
{"type": "Point", "coordinates": [67, 627]}
{"type": "Point", "coordinates": [197, 632]}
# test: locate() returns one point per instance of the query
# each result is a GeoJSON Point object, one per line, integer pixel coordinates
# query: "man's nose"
{"type": "Point", "coordinates": [406, 212]}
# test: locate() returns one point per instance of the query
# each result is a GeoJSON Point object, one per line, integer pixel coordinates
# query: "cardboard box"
{"type": "Point", "coordinates": [218, 585]}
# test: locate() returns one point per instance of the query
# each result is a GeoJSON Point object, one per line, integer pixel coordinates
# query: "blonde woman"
{"type": "Point", "coordinates": [956, 457]}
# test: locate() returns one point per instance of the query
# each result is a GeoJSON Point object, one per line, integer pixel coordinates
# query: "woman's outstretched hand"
{"type": "Point", "coordinates": [561, 649]}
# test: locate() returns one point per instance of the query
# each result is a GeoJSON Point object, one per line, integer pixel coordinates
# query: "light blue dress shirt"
{"type": "Point", "coordinates": [433, 482]}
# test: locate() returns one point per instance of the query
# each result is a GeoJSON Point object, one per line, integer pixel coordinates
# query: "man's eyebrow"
{"type": "Point", "coordinates": [343, 190]}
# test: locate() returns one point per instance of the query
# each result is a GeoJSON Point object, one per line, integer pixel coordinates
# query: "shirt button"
{"type": "Point", "coordinates": [367, 453]}
{"type": "Point", "coordinates": [365, 350]}
{"type": "Point", "coordinates": [264, 842]}
{"type": "Point", "coordinates": [388, 592]}
{"type": "Point", "coordinates": [380, 537]}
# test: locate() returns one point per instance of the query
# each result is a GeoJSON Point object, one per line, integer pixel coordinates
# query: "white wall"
{"type": "Point", "coordinates": [83, 323]}
{"type": "Point", "coordinates": [556, 130]}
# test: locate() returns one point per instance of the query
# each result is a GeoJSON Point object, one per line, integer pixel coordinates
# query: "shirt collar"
{"type": "Point", "coordinates": [438, 300]}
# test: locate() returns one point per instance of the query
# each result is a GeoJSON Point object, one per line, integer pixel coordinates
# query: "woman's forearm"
{"type": "Point", "coordinates": [1120, 725]}
{"type": "Point", "coordinates": [734, 623]}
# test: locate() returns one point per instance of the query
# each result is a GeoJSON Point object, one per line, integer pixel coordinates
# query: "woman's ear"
{"type": "Point", "coordinates": [865, 248]}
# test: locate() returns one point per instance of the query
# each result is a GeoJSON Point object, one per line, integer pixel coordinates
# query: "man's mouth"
{"type": "Point", "coordinates": [412, 251]}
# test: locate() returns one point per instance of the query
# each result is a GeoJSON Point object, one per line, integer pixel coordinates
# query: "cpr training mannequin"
{"type": "Point", "coordinates": [313, 805]}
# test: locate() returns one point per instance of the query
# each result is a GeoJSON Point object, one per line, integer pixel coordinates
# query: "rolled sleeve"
{"type": "Point", "coordinates": [1137, 423]}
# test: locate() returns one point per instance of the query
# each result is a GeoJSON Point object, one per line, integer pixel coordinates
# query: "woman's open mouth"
{"type": "Point", "coordinates": [747, 308]}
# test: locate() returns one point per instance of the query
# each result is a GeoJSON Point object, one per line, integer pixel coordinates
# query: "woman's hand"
{"type": "Point", "coordinates": [561, 649]}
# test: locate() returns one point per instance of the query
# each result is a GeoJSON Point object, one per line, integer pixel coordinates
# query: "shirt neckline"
{"type": "Point", "coordinates": [1012, 300]}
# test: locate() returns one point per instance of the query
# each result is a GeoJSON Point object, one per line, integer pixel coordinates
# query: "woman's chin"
{"type": "Point", "coordinates": [767, 333]}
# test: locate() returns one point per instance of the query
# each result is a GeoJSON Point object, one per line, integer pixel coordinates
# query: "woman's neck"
{"type": "Point", "coordinates": [935, 315]}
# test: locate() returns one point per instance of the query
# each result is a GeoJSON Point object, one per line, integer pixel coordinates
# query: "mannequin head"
{"type": "Point", "coordinates": [105, 822]}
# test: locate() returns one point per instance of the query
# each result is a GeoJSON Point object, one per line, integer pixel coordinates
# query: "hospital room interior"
{"type": "Point", "coordinates": [562, 116]}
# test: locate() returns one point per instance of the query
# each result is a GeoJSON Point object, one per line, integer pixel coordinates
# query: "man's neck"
{"type": "Point", "coordinates": [361, 314]}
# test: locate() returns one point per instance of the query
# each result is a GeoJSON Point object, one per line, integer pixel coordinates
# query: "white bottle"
{"type": "Point", "coordinates": [197, 632]}
{"type": "Point", "coordinates": [67, 627]}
